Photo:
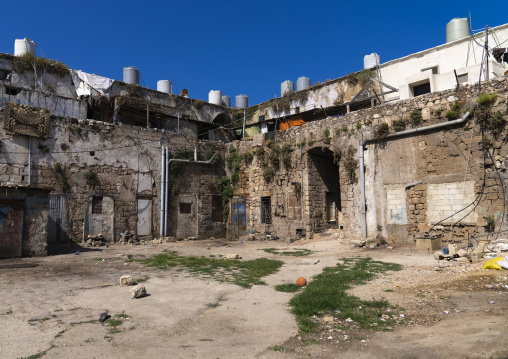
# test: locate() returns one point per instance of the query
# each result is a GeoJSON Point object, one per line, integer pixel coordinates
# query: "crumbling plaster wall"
{"type": "Point", "coordinates": [400, 173]}
{"type": "Point", "coordinates": [125, 159]}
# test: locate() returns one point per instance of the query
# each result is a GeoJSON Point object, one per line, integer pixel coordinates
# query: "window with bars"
{"type": "Point", "coordinates": [266, 210]}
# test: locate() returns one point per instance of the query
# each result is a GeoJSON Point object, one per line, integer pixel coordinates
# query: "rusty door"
{"type": "Point", "coordinates": [238, 217]}
{"type": "Point", "coordinates": [11, 228]}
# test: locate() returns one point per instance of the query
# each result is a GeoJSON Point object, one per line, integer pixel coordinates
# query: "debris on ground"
{"type": "Point", "coordinates": [138, 291]}
{"type": "Point", "coordinates": [103, 317]}
{"type": "Point", "coordinates": [126, 280]}
{"type": "Point", "coordinates": [97, 240]}
{"type": "Point", "coordinates": [128, 238]}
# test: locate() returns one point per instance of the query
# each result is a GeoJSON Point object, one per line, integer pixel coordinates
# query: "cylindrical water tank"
{"type": "Point", "coordinates": [287, 86]}
{"type": "Point", "coordinates": [242, 101]}
{"type": "Point", "coordinates": [302, 83]}
{"type": "Point", "coordinates": [21, 46]}
{"type": "Point", "coordinates": [164, 86]}
{"type": "Point", "coordinates": [131, 75]}
{"type": "Point", "coordinates": [226, 101]}
{"type": "Point", "coordinates": [371, 61]}
{"type": "Point", "coordinates": [215, 97]}
{"type": "Point", "coordinates": [457, 29]}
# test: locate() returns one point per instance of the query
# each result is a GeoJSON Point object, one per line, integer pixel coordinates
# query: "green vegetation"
{"type": "Point", "coordinates": [381, 131]}
{"type": "Point", "coordinates": [287, 150]}
{"type": "Point", "coordinates": [277, 348]}
{"type": "Point", "coordinates": [177, 167]}
{"type": "Point", "coordinates": [90, 177]}
{"type": "Point", "coordinates": [486, 143]}
{"type": "Point", "coordinates": [326, 292]}
{"type": "Point", "coordinates": [311, 143]}
{"type": "Point", "coordinates": [328, 139]}
{"type": "Point", "coordinates": [60, 174]}
{"type": "Point", "coordinates": [297, 252]}
{"type": "Point", "coordinates": [486, 99]}
{"type": "Point", "coordinates": [452, 115]}
{"type": "Point", "coordinates": [491, 223]}
{"type": "Point", "coordinates": [43, 148]}
{"type": "Point", "coordinates": [28, 62]}
{"type": "Point", "coordinates": [358, 125]}
{"type": "Point", "coordinates": [287, 287]}
{"type": "Point", "coordinates": [399, 125]}
{"type": "Point", "coordinates": [225, 187]}
{"type": "Point", "coordinates": [416, 118]}
{"type": "Point", "coordinates": [365, 75]}
{"type": "Point", "coordinates": [350, 164]}
{"type": "Point", "coordinates": [242, 273]}
{"type": "Point", "coordinates": [141, 280]}
{"type": "Point", "coordinates": [247, 157]}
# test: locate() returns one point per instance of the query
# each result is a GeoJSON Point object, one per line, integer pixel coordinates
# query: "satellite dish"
{"type": "Point", "coordinates": [185, 93]}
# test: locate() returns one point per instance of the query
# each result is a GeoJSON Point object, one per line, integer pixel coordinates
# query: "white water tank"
{"type": "Point", "coordinates": [287, 87]}
{"type": "Point", "coordinates": [457, 29]}
{"type": "Point", "coordinates": [371, 61]}
{"type": "Point", "coordinates": [226, 101]}
{"type": "Point", "coordinates": [302, 83]}
{"type": "Point", "coordinates": [164, 86]}
{"type": "Point", "coordinates": [131, 75]}
{"type": "Point", "coordinates": [242, 101]}
{"type": "Point", "coordinates": [22, 46]}
{"type": "Point", "coordinates": [215, 97]}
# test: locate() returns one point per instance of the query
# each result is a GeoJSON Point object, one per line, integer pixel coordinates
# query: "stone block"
{"type": "Point", "coordinates": [126, 280]}
{"type": "Point", "coordinates": [428, 244]}
{"type": "Point", "coordinates": [138, 291]}
{"type": "Point", "coordinates": [232, 256]}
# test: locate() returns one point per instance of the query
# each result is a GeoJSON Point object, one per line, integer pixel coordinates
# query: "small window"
{"type": "Point", "coordinates": [421, 89]}
{"type": "Point", "coordinates": [13, 91]}
{"type": "Point", "coordinates": [434, 70]}
{"type": "Point", "coordinates": [266, 210]}
{"type": "Point", "coordinates": [462, 78]}
{"type": "Point", "coordinates": [97, 205]}
{"type": "Point", "coordinates": [217, 212]}
{"type": "Point", "coordinates": [185, 208]}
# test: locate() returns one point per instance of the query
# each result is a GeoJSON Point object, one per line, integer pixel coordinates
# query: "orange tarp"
{"type": "Point", "coordinates": [284, 125]}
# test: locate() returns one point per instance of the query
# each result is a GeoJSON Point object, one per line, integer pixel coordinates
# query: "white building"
{"type": "Point", "coordinates": [433, 69]}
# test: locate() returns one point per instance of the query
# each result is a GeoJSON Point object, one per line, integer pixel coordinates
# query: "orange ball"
{"type": "Point", "coordinates": [301, 282]}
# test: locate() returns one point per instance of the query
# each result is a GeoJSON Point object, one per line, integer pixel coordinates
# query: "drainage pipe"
{"type": "Point", "coordinates": [407, 133]}
{"type": "Point", "coordinates": [166, 175]}
{"type": "Point", "coordinates": [29, 161]}
{"type": "Point", "coordinates": [163, 188]}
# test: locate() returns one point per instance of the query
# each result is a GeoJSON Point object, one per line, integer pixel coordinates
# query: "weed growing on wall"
{"type": "Point", "coordinates": [29, 63]}
{"type": "Point", "coordinates": [399, 125]}
{"type": "Point", "coordinates": [351, 164]}
{"type": "Point", "coordinates": [416, 118]}
{"type": "Point", "coordinates": [176, 167]}
{"type": "Point", "coordinates": [287, 151]}
{"type": "Point", "coordinates": [90, 177]}
{"type": "Point", "coordinates": [381, 131]}
{"type": "Point", "coordinates": [60, 174]}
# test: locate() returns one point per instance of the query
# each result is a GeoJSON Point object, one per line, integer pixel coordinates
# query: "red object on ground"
{"type": "Point", "coordinates": [301, 282]}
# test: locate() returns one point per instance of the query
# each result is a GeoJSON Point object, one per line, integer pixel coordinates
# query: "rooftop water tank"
{"type": "Point", "coordinates": [287, 87]}
{"type": "Point", "coordinates": [371, 61]}
{"type": "Point", "coordinates": [164, 86]}
{"type": "Point", "coordinates": [215, 97]}
{"type": "Point", "coordinates": [302, 83]}
{"type": "Point", "coordinates": [226, 101]}
{"type": "Point", "coordinates": [24, 45]}
{"type": "Point", "coordinates": [242, 101]}
{"type": "Point", "coordinates": [457, 29]}
{"type": "Point", "coordinates": [131, 75]}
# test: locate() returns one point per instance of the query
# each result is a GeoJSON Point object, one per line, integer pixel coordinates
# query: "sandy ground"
{"type": "Point", "coordinates": [51, 306]}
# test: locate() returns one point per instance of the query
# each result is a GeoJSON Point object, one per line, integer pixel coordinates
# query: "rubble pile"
{"type": "Point", "coordinates": [97, 240]}
{"type": "Point", "coordinates": [485, 249]}
{"type": "Point", "coordinates": [128, 238]}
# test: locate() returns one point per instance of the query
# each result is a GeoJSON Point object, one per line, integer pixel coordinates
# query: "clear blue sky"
{"type": "Point", "coordinates": [247, 47]}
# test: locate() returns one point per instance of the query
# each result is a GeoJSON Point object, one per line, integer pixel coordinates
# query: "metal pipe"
{"type": "Point", "coordinates": [29, 161]}
{"type": "Point", "coordinates": [243, 129]}
{"type": "Point", "coordinates": [406, 133]}
{"type": "Point", "coordinates": [166, 198]}
{"type": "Point", "coordinates": [163, 185]}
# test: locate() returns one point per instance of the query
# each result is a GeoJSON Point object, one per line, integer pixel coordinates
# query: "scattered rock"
{"type": "Point", "coordinates": [358, 243]}
{"type": "Point", "coordinates": [192, 238]}
{"type": "Point", "coordinates": [126, 280]}
{"type": "Point", "coordinates": [138, 291]}
{"type": "Point", "coordinates": [232, 256]}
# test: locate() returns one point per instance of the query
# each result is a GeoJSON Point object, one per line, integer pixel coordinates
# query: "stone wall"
{"type": "Point", "coordinates": [406, 177]}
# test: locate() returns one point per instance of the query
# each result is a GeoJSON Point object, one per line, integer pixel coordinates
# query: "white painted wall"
{"type": "Point", "coordinates": [403, 72]}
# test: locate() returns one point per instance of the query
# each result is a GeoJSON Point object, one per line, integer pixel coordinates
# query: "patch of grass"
{"type": "Point", "coordinates": [287, 287]}
{"type": "Point", "coordinates": [122, 315]}
{"type": "Point", "coordinates": [114, 322]}
{"type": "Point", "coordinates": [141, 280]}
{"type": "Point", "coordinates": [381, 131]}
{"type": "Point", "coordinates": [486, 99]}
{"type": "Point", "coordinates": [389, 290]}
{"type": "Point", "coordinates": [452, 115]}
{"type": "Point", "coordinates": [327, 292]}
{"type": "Point", "coordinates": [36, 356]}
{"type": "Point", "coordinates": [216, 304]}
{"type": "Point", "coordinates": [97, 259]}
{"type": "Point", "coordinates": [297, 252]}
{"type": "Point", "coordinates": [9, 311]}
{"type": "Point", "coordinates": [277, 348]}
{"type": "Point", "coordinates": [242, 273]}
{"type": "Point", "coordinates": [416, 117]}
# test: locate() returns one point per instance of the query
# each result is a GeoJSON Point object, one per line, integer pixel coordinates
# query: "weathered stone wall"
{"type": "Point", "coordinates": [126, 164]}
{"type": "Point", "coordinates": [406, 177]}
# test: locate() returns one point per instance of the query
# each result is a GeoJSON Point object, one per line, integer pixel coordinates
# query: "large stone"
{"type": "Point", "coordinates": [138, 291]}
{"type": "Point", "coordinates": [232, 256]}
{"type": "Point", "coordinates": [126, 280]}
{"type": "Point", "coordinates": [358, 242]}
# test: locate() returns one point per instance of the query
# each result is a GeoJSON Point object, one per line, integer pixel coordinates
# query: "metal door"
{"type": "Point", "coordinates": [238, 217]}
{"type": "Point", "coordinates": [144, 217]}
{"type": "Point", "coordinates": [11, 228]}
{"type": "Point", "coordinates": [56, 217]}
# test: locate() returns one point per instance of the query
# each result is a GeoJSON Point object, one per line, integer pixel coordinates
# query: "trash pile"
{"type": "Point", "coordinates": [97, 240]}
{"type": "Point", "coordinates": [486, 249]}
{"type": "Point", "coordinates": [129, 238]}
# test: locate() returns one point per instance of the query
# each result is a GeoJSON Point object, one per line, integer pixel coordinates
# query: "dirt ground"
{"type": "Point", "coordinates": [49, 307]}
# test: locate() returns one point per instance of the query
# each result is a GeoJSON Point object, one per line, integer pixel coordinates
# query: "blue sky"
{"type": "Point", "coordinates": [237, 47]}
